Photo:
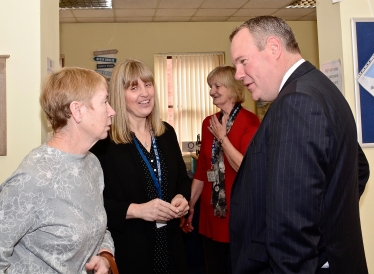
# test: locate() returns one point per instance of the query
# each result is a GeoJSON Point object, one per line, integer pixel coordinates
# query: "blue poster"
{"type": "Point", "coordinates": [363, 44]}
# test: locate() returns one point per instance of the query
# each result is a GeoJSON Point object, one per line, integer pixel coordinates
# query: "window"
{"type": "Point", "coordinates": [183, 90]}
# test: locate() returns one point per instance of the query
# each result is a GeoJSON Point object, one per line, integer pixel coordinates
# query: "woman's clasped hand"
{"type": "Point", "coordinates": [159, 210]}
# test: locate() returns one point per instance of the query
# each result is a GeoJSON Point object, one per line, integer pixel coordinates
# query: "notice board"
{"type": "Point", "coordinates": [363, 55]}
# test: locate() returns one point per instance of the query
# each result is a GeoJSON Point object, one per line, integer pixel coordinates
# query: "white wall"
{"type": "Point", "coordinates": [335, 42]}
{"type": "Point", "coordinates": [28, 33]}
{"type": "Point", "coordinates": [50, 47]}
{"type": "Point", "coordinates": [349, 9]}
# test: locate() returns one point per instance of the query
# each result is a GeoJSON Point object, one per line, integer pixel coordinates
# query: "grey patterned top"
{"type": "Point", "coordinates": [52, 218]}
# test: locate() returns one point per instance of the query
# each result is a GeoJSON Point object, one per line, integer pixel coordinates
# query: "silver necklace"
{"type": "Point", "coordinates": [145, 142]}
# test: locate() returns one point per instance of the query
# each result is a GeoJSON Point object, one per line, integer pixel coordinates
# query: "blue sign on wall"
{"type": "Point", "coordinates": [363, 44]}
{"type": "Point", "coordinates": [105, 59]}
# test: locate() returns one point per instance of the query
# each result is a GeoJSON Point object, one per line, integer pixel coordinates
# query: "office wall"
{"type": "Point", "coordinates": [143, 40]}
{"type": "Point", "coordinates": [335, 42]}
{"type": "Point", "coordinates": [29, 33]}
{"type": "Point", "coordinates": [49, 49]}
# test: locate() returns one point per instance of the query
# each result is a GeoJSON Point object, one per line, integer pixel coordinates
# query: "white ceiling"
{"type": "Point", "coordinates": [187, 11]}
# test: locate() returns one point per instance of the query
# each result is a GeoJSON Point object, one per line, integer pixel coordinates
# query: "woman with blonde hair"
{"type": "Point", "coordinates": [225, 137]}
{"type": "Point", "coordinates": [146, 182]}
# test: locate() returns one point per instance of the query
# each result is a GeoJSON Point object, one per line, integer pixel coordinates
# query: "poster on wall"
{"type": "Point", "coordinates": [363, 50]}
{"type": "Point", "coordinates": [50, 65]}
{"type": "Point", "coordinates": [105, 61]}
{"type": "Point", "coordinates": [333, 71]}
{"type": "Point", "coordinates": [366, 76]}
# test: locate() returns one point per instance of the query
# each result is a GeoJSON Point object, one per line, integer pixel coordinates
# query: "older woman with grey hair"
{"type": "Point", "coordinates": [52, 217]}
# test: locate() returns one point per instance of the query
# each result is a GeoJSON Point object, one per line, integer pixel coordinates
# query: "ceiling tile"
{"type": "Point", "coordinates": [182, 10]}
{"type": "Point", "coordinates": [95, 20]}
{"type": "Point", "coordinates": [134, 12]}
{"type": "Point", "coordinates": [209, 19]}
{"type": "Point", "coordinates": [68, 20]}
{"type": "Point", "coordinates": [96, 13]}
{"type": "Point", "coordinates": [313, 13]}
{"type": "Point", "coordinates": [260, 4]}
{"type": "Point", "coordinates": [66, 14]}
{"type": "Point", "coordinates": [293, 12]}
{"type": "Point", "coordinates": [137, 4]}
{"type": "Point", "coordinates": [172, 4]}
{"type": "Point", "coordinates": [310, 17]}
{"type": "Point", "coordinates": [175, 12]}
{"type": "Point", "coordinates": [138, 19]}
{"type": "Point", "coordinates": [223, 4]}
{"type": "Point", "coordinates": [254, 12]}
{"type": "Point", "coordinates": [215, 12]}
{"type": "Point", "coordinates": [240, 19]}
{"type": "Point", "coordinates": [290, 18]}
{"type": "Point", "coordinates": [172, 18]}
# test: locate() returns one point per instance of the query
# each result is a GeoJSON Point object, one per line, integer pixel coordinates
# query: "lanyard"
{"type": "Point", "coordinates": [215, 147]}
{"type": "Point", "coordinates": [156, 182]}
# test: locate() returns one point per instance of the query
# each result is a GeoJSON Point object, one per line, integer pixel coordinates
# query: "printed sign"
{"type": "Point", "coordinates": [104, 52]}
{"type": "Point", "coordinates": [105, 59]}
{"type": "Point", "coordinates": [104, 72]}
{"type": "Point", "coordinates": [366, 76]}
{"type": "Point", "coordinates": [50, 65]}
{"type": "Point", "coordinates": [334, 72]}
{"type": "Point", "coordinates": [99, 66]}
{"type": "Point", "coordinates": [105, 62]}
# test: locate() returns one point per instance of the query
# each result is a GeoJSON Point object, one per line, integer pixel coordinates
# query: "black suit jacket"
{"type": "Point", "coordinates": [295, 200]}
{"type": "Point", "coordinates": [125, 183]}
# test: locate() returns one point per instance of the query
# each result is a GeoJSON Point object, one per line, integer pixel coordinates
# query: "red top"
{"type": "Point", "coordinates": [241, 133]}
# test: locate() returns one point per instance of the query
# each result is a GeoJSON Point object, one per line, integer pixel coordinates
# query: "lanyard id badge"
{"type": "Point", "coordinates": [160, 224]}
{"type": "Point", "coordinates": [156, 181]}
{"type": "Point", "coordinates": [211, 174]}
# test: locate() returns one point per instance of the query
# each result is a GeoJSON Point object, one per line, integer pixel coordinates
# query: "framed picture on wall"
{"type": "Point", "coordinates": [363, 58]}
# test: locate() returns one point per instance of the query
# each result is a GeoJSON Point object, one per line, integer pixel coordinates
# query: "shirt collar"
{"type": "Point", "coordinates": [290, 71]}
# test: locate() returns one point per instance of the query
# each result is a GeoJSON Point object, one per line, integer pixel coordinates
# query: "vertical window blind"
{"type": "Point", "coordinates": [183, 90]}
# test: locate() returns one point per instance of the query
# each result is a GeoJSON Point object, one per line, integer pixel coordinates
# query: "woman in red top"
{"type": "Point", "coordinates": [225, 137]}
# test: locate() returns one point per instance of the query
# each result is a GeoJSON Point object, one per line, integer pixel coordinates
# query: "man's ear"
{"type": "Point", "coordinates": [274, 45]}
{"type": "Point", "coordinates": [75, 108]}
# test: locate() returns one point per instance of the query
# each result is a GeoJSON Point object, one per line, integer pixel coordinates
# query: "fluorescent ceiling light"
{"type": "Point", "coordinates": [85, 4]}
{"type": "Point", "coordinates": [306, 4]}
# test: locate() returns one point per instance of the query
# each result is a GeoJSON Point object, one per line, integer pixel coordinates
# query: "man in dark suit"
{"type": "Point", "coordinates": [295, 200]}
